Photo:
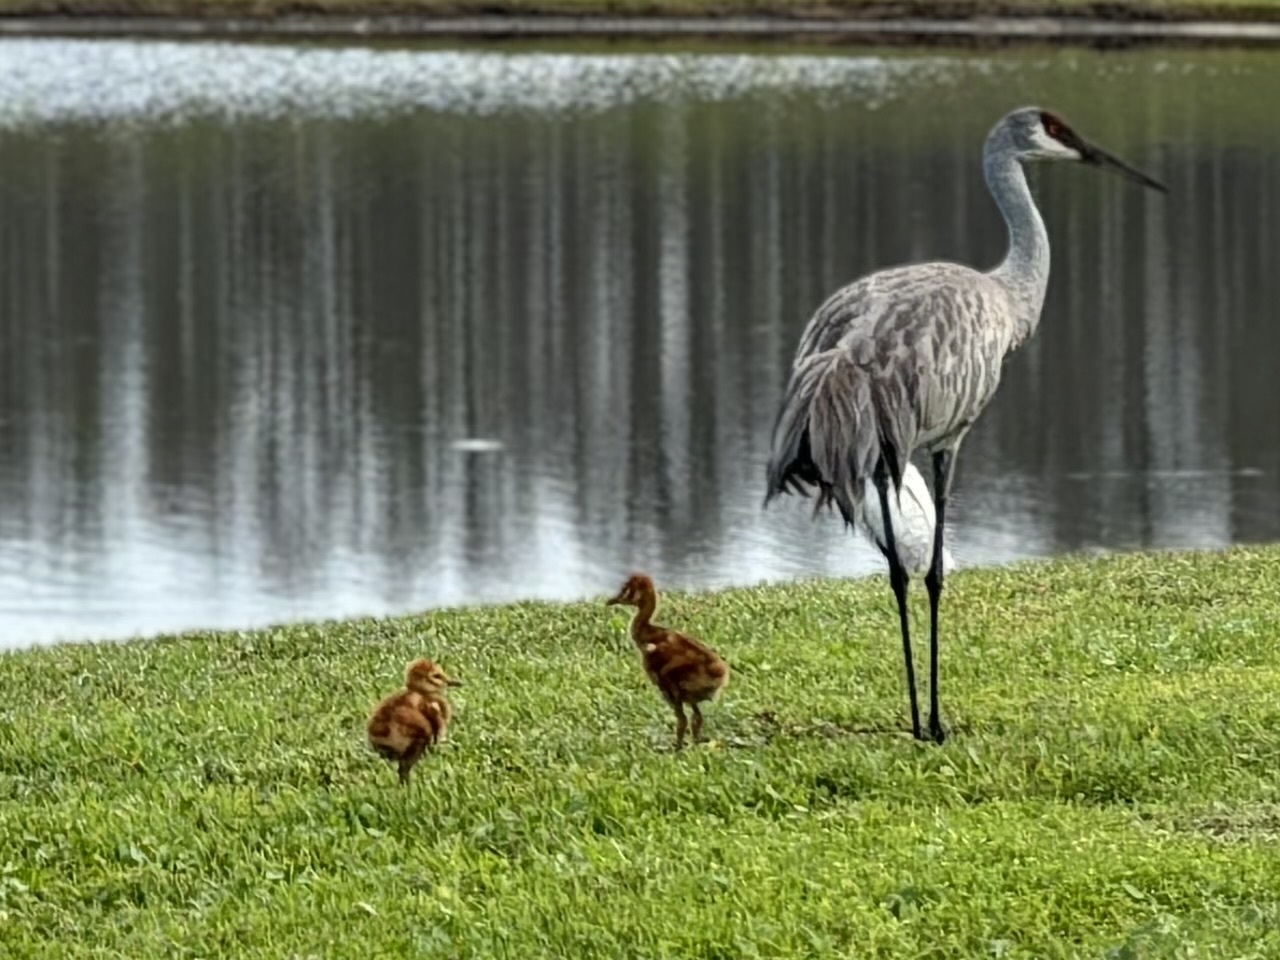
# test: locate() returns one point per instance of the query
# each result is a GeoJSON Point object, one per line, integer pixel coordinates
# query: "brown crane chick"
{"type": "Point", "coordinates": [405, 724]}
{"type": "Point", "coordinates": [685, 670]}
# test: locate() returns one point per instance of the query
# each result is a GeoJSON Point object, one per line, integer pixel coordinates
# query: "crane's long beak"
{"type": "Point", "coordinates": [1097, 157]}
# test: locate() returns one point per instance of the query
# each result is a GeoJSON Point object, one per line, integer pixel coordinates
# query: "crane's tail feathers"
{"type": "Point", "coordinates": [825, 436]}
{"type": "Point", "coordinates": [830, 436]}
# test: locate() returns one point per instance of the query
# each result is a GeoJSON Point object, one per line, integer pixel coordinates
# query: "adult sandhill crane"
{"type": "Point", "coordinates": [905, 359]}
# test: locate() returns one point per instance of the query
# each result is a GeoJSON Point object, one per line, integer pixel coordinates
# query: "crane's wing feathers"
{"type": "Point", "coordinates": [902, 359]}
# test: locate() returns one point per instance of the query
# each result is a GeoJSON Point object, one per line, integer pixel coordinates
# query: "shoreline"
{"type": "Point", "coordinates": [873, 584]}
{"type": "Point", "coordinates": [929, 24]}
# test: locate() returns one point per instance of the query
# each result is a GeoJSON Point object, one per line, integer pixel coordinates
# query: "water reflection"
{"type": "Point", "coordinates": [239, 351]}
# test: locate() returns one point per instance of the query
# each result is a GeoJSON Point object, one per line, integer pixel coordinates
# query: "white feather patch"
{"type": "Point", "coordinates": [1050, 146]}
{"type": "Point", "coordinates": [912, 516]}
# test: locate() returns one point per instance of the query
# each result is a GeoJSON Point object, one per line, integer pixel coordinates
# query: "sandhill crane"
{"type": "Point", "coordinates": [905, 359]}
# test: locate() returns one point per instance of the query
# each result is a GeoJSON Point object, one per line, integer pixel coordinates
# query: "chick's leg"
{"type": "Point", "coordinates": [410, 757]}
{"type": "Point", "coordinates": [682, 724]}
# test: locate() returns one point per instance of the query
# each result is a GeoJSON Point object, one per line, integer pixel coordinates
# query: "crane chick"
{"type": "Point", "coordinates": [406, 723]}
{"type": "Point", "coordinates": [685, 670]}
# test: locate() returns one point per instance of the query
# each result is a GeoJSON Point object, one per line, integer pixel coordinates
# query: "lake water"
{"type": "Point", "coordinates": [259, 302]}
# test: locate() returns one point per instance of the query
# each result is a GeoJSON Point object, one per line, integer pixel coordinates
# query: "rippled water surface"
{"type": "Point", "coordinates": [299, 332]}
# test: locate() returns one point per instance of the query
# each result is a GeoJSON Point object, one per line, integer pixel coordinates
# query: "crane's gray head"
{"type": "Point", "coordinates": [1036, 134]}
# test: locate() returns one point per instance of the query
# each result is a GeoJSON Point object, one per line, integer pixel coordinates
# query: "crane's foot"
{"type": "Point", "coordinates": [937, 732]}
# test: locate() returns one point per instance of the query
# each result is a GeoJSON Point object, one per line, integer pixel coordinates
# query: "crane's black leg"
{"type": "Point", "coordinates": [898, 580]}
{"type": "Point", "coordinates": [943, 464]}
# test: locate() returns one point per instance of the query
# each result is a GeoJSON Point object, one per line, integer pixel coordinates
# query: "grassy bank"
{"type": "Point", "coordinates": [1110, 790]}
{"type": "Point", "coordinates": [1114, 10]}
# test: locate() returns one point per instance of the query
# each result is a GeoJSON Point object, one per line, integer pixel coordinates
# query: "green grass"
{"type": "Point", "coordinates": [1111, 788]}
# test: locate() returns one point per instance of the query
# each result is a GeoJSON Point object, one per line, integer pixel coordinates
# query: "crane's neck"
{"type": "Point", "coordinates": [1025, 268]}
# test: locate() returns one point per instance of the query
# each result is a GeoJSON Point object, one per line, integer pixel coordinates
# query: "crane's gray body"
{"type": "Point", "coordinates": [905, 359]}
